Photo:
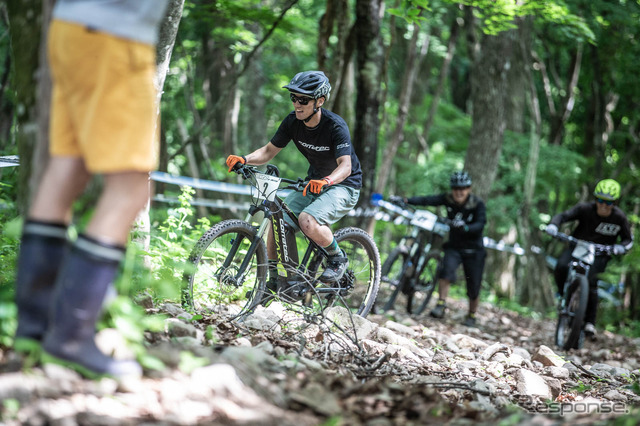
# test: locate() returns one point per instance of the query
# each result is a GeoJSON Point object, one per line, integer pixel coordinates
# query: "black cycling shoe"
{"type": "Point", "coordinates": [590, 331]}
{"type": "Point", "coordinates": [438, 311]}
{"type": "Point", "coordinates": [336, 266]}
{"type": "Point", "coordinates": [470, 320]}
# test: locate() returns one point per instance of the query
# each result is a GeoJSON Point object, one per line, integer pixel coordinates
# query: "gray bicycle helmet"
{"type": "Point", "coordinates": [311, 83]}
{"type": "Point", "coordinates": [460, 180]}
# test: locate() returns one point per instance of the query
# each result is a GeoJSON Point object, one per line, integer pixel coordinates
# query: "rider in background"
{"type": "Point", "coordinates": [601, 222]}
{"type": "Point", "coordinates": [468, 216]}
{"type": "Point", "coordinates": [323, 138]}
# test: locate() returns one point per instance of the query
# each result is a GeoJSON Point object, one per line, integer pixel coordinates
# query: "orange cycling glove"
{"type": "Point", "coordinates": [315, 186]}
{"type": "Point", "coordinates": [232, 160]}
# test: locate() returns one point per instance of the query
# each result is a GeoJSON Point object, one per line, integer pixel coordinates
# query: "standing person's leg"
{"type": "Point", "coordinates": [88, 271]}
{"type": "Point", "coordinates": [473, 265]}
{"type": "Point", "coordinates": [447, 275]}
{"type": "Point", "coordinates": [43, 246]}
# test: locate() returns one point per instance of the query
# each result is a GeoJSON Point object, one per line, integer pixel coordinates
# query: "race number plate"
{"type": "Point", "coordinates": [585, 252]}
{"type": "Point", "coordinates": [424, 219]}
{"type": "Point", "coordinates": [266, 187]}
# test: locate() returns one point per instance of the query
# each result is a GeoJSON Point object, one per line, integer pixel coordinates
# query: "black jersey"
{"type": "Point", "coordinates": [321, 145]}
{"type": "Point", "coordinates": [597, 229]}
{"type": "Point", "coordinates": [473, 212]}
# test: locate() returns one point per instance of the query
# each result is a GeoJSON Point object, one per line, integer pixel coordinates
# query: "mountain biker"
{"type": "Point", "coordinates": [601, 222]}
{"type": "Point", "coordinates": [103, 122]}
{"type": "Point", "coordinates": [468, 215]}
{"type": "Point", "coordinates": [323, 138]}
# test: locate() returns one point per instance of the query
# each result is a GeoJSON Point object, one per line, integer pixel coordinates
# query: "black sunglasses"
{"type": "Point", "coordinates": [601, 201]}
{"type": "Point", "coordinates": [302, 100]}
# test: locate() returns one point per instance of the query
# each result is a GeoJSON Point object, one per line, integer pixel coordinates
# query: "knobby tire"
{"type": "Point", "coordinates": [569, 326]}
{"type": "Point", "coordinates": [364, 268]}
{"type": "Point", "coordinates": [210, 287]}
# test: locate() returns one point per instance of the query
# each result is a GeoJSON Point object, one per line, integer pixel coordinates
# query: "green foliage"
{"type": "Point", "coordinates": [10, 225]}
{"type": "Point", "coordinates": [170, 242]}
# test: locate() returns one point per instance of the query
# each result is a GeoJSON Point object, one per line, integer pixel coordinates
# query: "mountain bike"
{"type": "Point", "coordinates": [410, 271]}
{"type": "Point", "coordinates": [229, 262]}
{"type": "Point", "coordinates": [573, 303]}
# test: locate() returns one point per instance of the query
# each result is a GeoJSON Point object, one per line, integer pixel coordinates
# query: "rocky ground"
{"type": "Point", "coordinates": [278, 369]}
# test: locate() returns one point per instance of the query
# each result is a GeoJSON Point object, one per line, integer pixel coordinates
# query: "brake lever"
{"type": "Point", "coordinates": [241, 170]}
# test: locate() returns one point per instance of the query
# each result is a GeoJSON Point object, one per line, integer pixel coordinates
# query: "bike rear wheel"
{"type": "Point", "coordinates": [570, 319]}
{"type": "Point", "coordinates": [212, 283]}
{"type": "Point", "coordinates": [357, 289]}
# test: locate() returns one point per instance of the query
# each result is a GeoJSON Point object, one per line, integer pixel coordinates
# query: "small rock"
{"type": "Point", "coordinates": [529, 383]}
{"type": "Point", "coordinates": [244, 342]}
{"type": "Point", "coordinates": [615, 395]}
{"type": "Point", "coordinates": [546, 357]}
{"type": "Point", "coordinates": [177, 328]}
{"type": "Point", "coordinates": [399, 328]}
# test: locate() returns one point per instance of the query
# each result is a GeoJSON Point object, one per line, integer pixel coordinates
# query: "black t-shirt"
{"type": "Point", "coordinates": [321, 145]}
{"type": "Point", "coordinates": [597, 229]}
{"type": "Point", "coordinates": [473, 212]}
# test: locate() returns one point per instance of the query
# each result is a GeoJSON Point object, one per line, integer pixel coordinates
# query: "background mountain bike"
{"type": "Point", "coordinates": [229, 261]}
{"type": "Point", "coordinates": [409, 273]}
{"type": "Point", "coordinates": [573, 303]}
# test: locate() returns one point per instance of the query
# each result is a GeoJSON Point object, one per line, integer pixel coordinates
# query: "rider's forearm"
{"type": "Point", "coordinates": [262, 155]}
{"type": "Point", "coordinates": [341, 172]}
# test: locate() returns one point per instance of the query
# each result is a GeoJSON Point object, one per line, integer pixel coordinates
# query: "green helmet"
{"type": "Point", "coordinates": [607, 189]}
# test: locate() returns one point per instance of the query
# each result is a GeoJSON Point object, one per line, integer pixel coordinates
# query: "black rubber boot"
{"type": "Point", "coordinates": [42, 250]}
{"type": "Point", "coordinates": [88, 271]}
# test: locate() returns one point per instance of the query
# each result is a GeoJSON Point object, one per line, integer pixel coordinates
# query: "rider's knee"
{"type": "Point", "coordinates": [307, 222]}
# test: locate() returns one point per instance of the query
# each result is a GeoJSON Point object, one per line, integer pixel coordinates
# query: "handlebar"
{"type": "Point", "coordinates": [402, 209]}
{"type": "Point", "coordinates": [247, 172]}
{"type": "Point", "coordinates": [600, 248]}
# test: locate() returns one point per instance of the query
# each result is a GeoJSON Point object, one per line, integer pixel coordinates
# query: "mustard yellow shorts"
{"type": "Point", "coordinates": [104, 104]}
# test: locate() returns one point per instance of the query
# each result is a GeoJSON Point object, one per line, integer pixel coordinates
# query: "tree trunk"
{"type": "Point", "coordinates": [411, 67]}
{"type": "Point", "coordinates": [28, 24]}
{"type": "Point", "coordinates": [342, 94]}
{"type": "Point", "coordinates": [166, 40]}
{"type": "Point", "coordinates": [368, 72]}
{"type": "Point", "coordinates": [488, 93]}
{"type": "Point", "coordinates": [533, 289]}
{"type": "Point", "coordinates": [444, 72]}
{"type": "Point", "coordinates": [559, 121]}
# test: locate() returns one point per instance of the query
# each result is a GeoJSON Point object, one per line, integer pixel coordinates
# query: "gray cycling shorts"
{"type": "Point", "coordinates": [326, 208]}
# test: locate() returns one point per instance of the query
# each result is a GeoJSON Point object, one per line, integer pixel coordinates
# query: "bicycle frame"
{"type": "Point", "coordinates": [582, 258]}
{"type": "Point", "coordinates": [274, 210]}
{"type": "Point", "coordinates": [425, 228]}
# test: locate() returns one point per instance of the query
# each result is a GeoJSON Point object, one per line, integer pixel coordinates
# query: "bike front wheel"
{"type": "Point", "coordinates": [392, 277]}
{"type": "Point", "coordinates": [216, 280]}
{"type": "Point", "coordinates": [426, 284]}
{"type": "Point", "coordinates": [571, 317]}
{"type": "Point", "coordinates": [358, 288]}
